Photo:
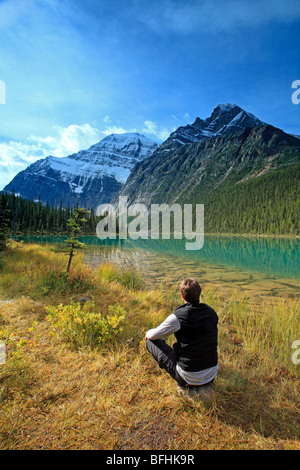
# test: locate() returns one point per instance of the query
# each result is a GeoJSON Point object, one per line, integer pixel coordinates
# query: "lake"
{"type": "Point", "coordinates": [268, 265]}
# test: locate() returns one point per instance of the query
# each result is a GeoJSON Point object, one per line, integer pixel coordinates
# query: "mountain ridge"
{"type": "Point", "coordinates": [230, 146]}
{"type": "Point", "coordinates": [89, 176]}
{"type": "Point", "coordinates": [233, 154]}
{"type": "Point", "coordinates": [225, 118]}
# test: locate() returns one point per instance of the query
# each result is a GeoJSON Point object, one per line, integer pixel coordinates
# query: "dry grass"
{"type": "Point", "coordinates": [114, 397]}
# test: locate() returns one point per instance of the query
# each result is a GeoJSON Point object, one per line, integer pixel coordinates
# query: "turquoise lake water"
{"type": "Point", "coordinates": [271, 265]}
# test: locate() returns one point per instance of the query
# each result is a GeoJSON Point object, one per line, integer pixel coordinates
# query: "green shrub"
{"type": "Point", "coordinates": [81, 326]}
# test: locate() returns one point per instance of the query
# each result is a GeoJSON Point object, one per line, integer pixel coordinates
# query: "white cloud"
{"type": "Point", "coordinates": [116, 130]}
{"type": "Point", "coordinates": [67, 140]}
{"type": "Point", "coordinates": [16, 156]}
{"type": "Point", "coordinates": [161, 133]}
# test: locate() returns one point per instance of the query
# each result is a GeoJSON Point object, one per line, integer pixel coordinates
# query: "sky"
{"type": "Point", "coordinates": [74, 71]}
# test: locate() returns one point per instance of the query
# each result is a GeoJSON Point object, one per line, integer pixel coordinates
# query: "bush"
{"type": "Point", "coordinates": [76, 280]}
{"type": "Point", "coordinates": [81, 326]}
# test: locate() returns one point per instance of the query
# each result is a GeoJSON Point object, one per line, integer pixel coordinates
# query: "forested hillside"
{"type": "Point", "coordinates": [268, 204]}
{"type": "Point", "coordinates": [26, 216]}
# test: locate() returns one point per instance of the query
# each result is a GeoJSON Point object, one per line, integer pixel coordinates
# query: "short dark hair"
{"type": "Point", "coordinates": [190, 290]}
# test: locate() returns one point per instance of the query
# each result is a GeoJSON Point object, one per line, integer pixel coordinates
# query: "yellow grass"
{"type": "Point", "coordinates": [57, 396]}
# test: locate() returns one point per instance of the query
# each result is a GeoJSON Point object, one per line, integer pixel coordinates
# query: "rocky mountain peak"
{"type": "Point", "coordinates": [225, 118]}
{"type": "Point", "coordinates": [90, 176]}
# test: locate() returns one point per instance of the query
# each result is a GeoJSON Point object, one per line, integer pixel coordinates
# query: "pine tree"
{"type": "Point", "coordinates": [75, 224]}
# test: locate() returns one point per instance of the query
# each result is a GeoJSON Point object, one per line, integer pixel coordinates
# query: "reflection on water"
{"type": "Point", "coordinates": [269, 265]}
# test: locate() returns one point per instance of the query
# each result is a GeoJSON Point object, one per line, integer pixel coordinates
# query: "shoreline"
{"type": "Point", "coordinates": [246, 276]}
{"type": "Point", "coordinates": [244, 235]}
{"type": "Point", "coordinates": [253, 235]}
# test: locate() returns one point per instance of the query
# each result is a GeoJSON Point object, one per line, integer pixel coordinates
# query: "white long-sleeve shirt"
{"type": "Point", "coordinates": [169, 326]}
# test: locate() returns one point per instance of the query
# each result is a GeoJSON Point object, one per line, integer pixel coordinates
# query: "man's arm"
{"type": "Point", "coordinates": [166, 328]}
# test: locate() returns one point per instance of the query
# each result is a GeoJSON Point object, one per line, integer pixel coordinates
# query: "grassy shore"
{"type": "Point", "coordinates": [61, 387]}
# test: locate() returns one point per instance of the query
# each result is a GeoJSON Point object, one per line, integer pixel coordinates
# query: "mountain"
{"type": "Point", "coordinates": [244, 171]}
{"type": "Point", "coordinates": [229, 147]}
{"type": "Point", "coordinates": [90, 176]}
{"type": "Point", "coordinates": [225, 119]}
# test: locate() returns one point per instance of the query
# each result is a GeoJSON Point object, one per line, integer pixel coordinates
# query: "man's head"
{"type": "Point", "coordinates": [190, 290]}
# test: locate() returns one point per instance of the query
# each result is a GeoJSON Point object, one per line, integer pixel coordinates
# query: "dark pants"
{"type": "Point", "coordinates": [166, 358]}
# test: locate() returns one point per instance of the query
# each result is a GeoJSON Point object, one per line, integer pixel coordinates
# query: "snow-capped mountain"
{"type": "Point", "coordinates": [225, 119]}
{"type": "Point", "coordinates": [230, 146]}
{"type": "Point", "coordinates": [89, 176]}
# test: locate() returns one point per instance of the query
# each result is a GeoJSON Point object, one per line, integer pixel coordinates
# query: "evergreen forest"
{"type": "Point", "coordinates": [266, 205]}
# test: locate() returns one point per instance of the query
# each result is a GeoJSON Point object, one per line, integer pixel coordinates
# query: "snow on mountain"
{"type": "Point", "coordinates": [97, 175]}
{"type": "Point", "coordinates": [196, 171]}
{"type": "Point", "coordinates": [91, 176]}
{"type": "Point", "coordinates": [170, 164]}
{"type": "Point", "coordinates": [225, 118]}
{"type": "Point", "coordinates": [114, 156]}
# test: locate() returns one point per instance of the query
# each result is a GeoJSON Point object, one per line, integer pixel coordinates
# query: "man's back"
{"type": "Point", "coordinates": [193, 360]}
{"type": "Point", "coordinates": [197, 338]}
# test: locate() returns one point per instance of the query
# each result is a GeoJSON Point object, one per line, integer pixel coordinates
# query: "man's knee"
{"type": "Point", "coordinates": [149, 345]}
{"type": "Point", "coordinates": [154, 347]}
{"type": "Point", "coordinates": [156, 344]}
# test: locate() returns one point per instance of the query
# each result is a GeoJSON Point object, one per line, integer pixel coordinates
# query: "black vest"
{"type": "Point", "coordinates": [197, 339]}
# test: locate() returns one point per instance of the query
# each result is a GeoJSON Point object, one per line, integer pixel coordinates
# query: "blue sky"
{"type": "Point", "coordinates": [75, 71]}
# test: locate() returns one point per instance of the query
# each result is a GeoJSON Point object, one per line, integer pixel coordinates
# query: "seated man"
{"type": "Point", "coordinates": [193, 360]}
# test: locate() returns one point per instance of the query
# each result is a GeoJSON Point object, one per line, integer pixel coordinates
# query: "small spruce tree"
{"type": "Point", "coordinates": [75, 224]}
